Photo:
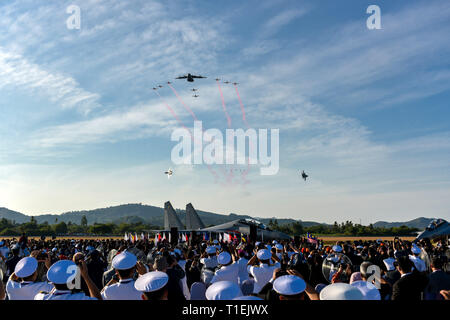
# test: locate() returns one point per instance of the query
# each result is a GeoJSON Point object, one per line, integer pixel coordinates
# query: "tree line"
{"type": "Point", "coordinates": [344, 229]}
{"type": "Point", "coordinates": [32, 228]}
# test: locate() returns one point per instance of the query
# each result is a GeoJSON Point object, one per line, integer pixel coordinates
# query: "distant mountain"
{"type": "Point", "coordinates": [13, 215]}
{"type": "Point", "coordinates": [155, 216]}
{"type": "Point", "coordinates": [419, 223]}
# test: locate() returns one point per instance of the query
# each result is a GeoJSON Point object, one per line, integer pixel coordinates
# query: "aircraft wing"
{"type": "Point", "coordinates": [199, 77]}
{"type": "Point", "coordinates": [182, 77]}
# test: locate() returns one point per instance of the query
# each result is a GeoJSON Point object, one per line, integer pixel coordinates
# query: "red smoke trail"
{"type": "Point", "coordinates": [223, 105]}
{"type": "Point", "coordinates": [181, 123]}
{"type": "Point", "coordinates": [173, 113]}
{"type": "Point", "coordinates": [229, 177]}
{"type": "Point", "coordinates": [244, 174]}
{"type": "Point", "coordinates": [242, 106]}
{"type": "Point", "coordinates": [182, 102]}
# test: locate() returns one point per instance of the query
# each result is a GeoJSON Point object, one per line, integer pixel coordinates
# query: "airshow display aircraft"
{"type": "Point", "coordinates": [304, 175]}
{"type": "Point", "coordinates": [190, 77]}
{"type": "Point", "coordinates": [169, 173]}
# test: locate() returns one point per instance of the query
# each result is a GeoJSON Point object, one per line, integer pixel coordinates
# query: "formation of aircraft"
{"type": "Point", "coordinates": [190, 77]}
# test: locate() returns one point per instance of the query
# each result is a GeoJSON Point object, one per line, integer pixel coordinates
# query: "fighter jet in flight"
{"type": "Point", "coordinates": [196, 96]}
{"type": "Point", "coordinates": [190, 77]}
{"type": "Point", "coordinates": [226, 82]}
{"type": "Point", "coordinates": [235, 83]}
{"type": "Point", "coordinates": [194, 89]}
{"type": "Point", "coordinates": [304, 175]}
{"type": "Point", "coordinates": [169, 173]}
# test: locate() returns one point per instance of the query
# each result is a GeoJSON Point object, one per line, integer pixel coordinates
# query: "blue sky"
{"type": "Point", "coordinates": [364, 112]}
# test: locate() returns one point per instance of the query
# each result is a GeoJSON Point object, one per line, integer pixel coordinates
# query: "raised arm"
{"type": "Point", "coordinates": [93, 290]}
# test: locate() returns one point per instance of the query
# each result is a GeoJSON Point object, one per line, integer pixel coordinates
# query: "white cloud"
{"type": "Point", "coordinates": [19, 73]}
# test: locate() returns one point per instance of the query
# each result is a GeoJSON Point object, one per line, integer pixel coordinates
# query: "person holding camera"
{"type": "Point", "coordinates": [63, 275]}
{"type": "Point", "coordinates": [23, 284]}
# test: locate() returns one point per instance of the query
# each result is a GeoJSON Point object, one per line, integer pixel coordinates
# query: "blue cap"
{"type": "Point", "coordinates": [61, 271]}
{"type": "Point", "coordinates": [415, 249]}
{"type": "Point", "coordinates": [224, 258]}
{"type": "Point", "coordinates": [211, 250]}
{"type": "Point", "coordinates": [223, 290]}
{"type": "Point", "coordinates": [337, 248]}
{"type": "Point", "coordinates": [26, 267]}
{"type": "Point", "coordinates": [289, 285]}
{"type": "Point", "coordinates": [151, 281]}
{"type": "Point", "coordinates": [341, 291]}
{"type": "Point", "coordinates": [264, 254]}
{"type": "Point", "coordinates": [124, 261]}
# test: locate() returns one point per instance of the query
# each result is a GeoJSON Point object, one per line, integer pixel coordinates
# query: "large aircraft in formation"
{"type": "Point", "coordinates": [190, 77]}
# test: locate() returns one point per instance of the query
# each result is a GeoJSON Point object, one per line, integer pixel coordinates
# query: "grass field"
{"type": "Point", "coordinates": [334, 239]}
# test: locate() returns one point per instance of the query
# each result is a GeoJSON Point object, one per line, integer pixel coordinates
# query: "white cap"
{"type": "Point", "coordinates": [224, 258]}
{"type": "Point", "coordinates": [54, 249]}
{"type": "Point", "coordinates": [26, 267]}
{"type": "Point", "coordinates": [211, 250]}
{"type": "Point", "coordinates": [248, 298]}
{"type": "Point", "coordinates": [337, 248]}
{"type": "Point", "coordinates": [263, 254]}
{"type": "Point", "coordinates": [340, 291]}
{"type": "Point", "coordinates": [274, 242]}
{"type": "Point", "coordinates": [415, 250]}
{"type": "Point", "coordinates": [223, 290]}
{"type": "Point", "coordinates": [279, 246]}
{"type": "Point", "coordinates": [359, 247]}
{"type": "Point", "coordinates": [124, 261]}
{"type": "Point", "coordinates": [289, 285]}
{"type": "Point", "coordinates": [61, 271]}
{"type": "Point", "coordinates": [216, 242]}
{"type": "Point", "coordinates": [257, 243]}
{"type": "Point", "coordinates": [369, 291]}
{"type": "Point", "coordinates": [151, 281]}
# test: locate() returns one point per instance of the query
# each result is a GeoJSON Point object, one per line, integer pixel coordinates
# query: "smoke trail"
{"type": "Point", "coordinates": [245, 173]}
{"type": "Point", "coordinates": [173, 113]}
{"type": "Point", "coordinates": [195, 118]}
{"type": "Point", "coordinates": [182, 102]}
{"type": "Point", "coordinates": [223, 105]}
{"type": "Point", "coordinates": [192, 137]}
{"type": "Point", "coordinates": [242, 106]}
